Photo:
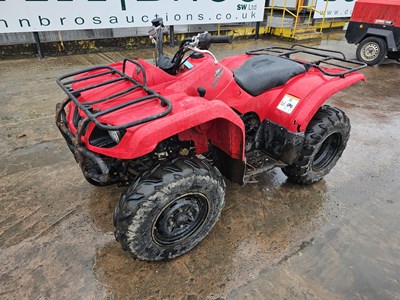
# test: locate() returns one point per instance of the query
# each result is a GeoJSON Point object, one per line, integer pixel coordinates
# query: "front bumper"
{"type": "Point", "coordinates": [92, 165]}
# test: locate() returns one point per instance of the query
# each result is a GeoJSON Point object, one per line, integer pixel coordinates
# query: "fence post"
{"type": "Point", "coordinates": [171, 36]}
{"type": "Point", "coordinates": [38, 44]}
{"type": "Point", "coordinates": [258, 30]}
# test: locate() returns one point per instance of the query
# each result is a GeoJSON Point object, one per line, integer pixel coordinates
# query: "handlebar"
{"type": "Point", "coordinates": [221, 39]}
{"type": "Point", "coordinates": [205, 40]}
{"type": "Point", "coordinates": [199, 43]}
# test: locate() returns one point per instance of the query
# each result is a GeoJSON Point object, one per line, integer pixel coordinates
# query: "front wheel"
{"type": "Point", "coordinates": [170, 210]}
{"type": "Point", "coordinates": [371, 50]}
{"type": "Point", "coordinates": [325, 140]}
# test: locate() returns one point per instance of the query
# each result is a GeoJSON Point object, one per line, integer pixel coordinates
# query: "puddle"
{"type": "Point", "coordinates": [262, 224]}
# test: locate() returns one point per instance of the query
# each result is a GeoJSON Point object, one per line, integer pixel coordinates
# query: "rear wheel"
{"type": "Point", "coordinates": [325, 140]}
{"type": "Point", "coordinates": [170, 210]}
{"type": "Point", "coordinates": [371, 50]}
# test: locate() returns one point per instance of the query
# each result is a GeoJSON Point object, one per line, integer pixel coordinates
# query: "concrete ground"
{"type": "Point", "coordinates": [336, 239]}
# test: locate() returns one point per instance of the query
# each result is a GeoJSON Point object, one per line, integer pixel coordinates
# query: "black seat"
{"type": "Point", "coordinates": [264, 72]}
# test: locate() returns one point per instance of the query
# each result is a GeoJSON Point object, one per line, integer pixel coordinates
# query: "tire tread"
{"type": "Point", "coordinates": [326, 119]}
{"type": "Point", "coordinates": [139, 201]}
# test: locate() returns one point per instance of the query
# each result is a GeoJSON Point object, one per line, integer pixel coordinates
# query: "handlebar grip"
{"type": "Point", "coordinates": [220, 39]}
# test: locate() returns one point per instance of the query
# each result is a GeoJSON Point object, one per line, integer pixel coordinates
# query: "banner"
{"type": "Point", "coordinates": [49, 15]}
{"type": "Point", "coordinates": [336, 9]}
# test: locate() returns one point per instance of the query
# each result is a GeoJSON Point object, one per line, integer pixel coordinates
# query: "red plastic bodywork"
{"type": "Point", "coordinates": [212, 118]}
{"type": "Point", "coordinates": [371, 11]}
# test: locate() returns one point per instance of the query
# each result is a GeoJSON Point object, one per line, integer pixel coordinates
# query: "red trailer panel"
{"type": "Point", "coordinates": [377, 11]}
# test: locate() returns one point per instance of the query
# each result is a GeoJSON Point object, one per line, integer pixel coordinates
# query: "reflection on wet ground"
{"type": "Point", "coordinates": [337, 239]}
{"type": "Point", "coordinates": [257, 229]}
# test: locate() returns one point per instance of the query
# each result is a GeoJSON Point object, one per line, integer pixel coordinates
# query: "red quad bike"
{"type": "Point", "coordinates": [169, 131]}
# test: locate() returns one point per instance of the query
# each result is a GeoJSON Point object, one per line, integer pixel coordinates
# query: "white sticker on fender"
{"type": "Point", "coordinates": [288, 103]}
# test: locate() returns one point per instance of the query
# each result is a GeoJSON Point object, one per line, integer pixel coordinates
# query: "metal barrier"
{"type": "Point", "coordinates": [296, 14]}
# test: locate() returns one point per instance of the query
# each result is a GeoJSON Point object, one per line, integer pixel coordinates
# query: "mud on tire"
{"type": "Point", "coordinates": [170, 209]}
{"type": "Point", "coordinates": [325, 140]}
{"type": "Point", "coordinates": [96, 183]}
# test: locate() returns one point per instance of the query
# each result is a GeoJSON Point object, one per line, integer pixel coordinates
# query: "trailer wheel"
{"type": "Point", "coordinates": [325, 140]}
{"type": "Point", "coordinates": [371, 50]}
{"type": "Point", "coordinates": [170, 210]}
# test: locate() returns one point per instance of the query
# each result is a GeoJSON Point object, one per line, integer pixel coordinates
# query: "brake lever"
{"type": "Point", "coordinates": [195, 49]}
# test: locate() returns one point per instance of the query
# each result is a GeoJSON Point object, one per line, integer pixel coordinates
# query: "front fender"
{"type": "Point", "coordinates": [196, 119]}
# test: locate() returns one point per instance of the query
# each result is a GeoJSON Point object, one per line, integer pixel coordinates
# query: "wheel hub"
{"type": "Point", "coordinates": [180, 219]}
{"type": "Point", "coordinates": [370, 51]}
{"type": "Point", "coordinates": [327, 152]}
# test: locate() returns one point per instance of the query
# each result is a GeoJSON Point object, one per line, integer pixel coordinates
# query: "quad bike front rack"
{"type": "Point", "coordinates": [105, 72]}
{"type": "Point", "coordinates": [339, 60]}
{"type": "Point", "coordinates": [107, 76]}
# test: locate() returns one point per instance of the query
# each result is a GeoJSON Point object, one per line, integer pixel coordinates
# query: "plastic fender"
{"type": "Point", "coordinates": [206, 120]}
{"type": "Point", "coordinates": [212, 77]}
{"type": "Point", "coordinates": [356, 35]}
{"type": "Point", "coordinates": [309, 105]}
{"type": "Point", "coordinates": [154, 75]}
{"type": "Point", "coordinates": [310, 90]}
{"type": "Point", "coordinates": [383, 33]}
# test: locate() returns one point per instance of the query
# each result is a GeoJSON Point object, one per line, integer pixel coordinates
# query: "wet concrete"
{"type": "Point", "coordinates": [336, 239]}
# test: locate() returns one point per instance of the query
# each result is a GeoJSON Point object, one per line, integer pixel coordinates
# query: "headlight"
{"type": "Point", "coordinates": [106, 138]}
{"type": "Point", "coordinates": [115, 135]}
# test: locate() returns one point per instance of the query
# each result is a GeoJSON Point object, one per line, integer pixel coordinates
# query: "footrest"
{"type": "Point", "coordinates": [258, 162]}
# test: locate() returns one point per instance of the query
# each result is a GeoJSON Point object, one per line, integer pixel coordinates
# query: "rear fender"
{"type": "Point", "coordinates": [282, 131]}
{"type": "Point", "coordinates": [308, 106]}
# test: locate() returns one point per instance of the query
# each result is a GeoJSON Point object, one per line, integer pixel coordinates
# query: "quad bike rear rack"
{"type": "Point", "coordinates": [92, 114]}
{"type": "Point", "coordinates": [339, 60]}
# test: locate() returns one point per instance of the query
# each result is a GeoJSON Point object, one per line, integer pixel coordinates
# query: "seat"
{"type": "Point", "coordinates": [264, 72]}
